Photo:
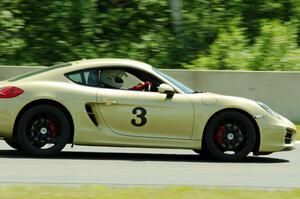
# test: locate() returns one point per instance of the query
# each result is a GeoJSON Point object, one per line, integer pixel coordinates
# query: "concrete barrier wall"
{"type": "Point", "coordinates": [10, 71]}
{"type": "Point", "coordinates": [280, 90]}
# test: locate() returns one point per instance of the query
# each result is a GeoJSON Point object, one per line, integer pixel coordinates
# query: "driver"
{"type": "Point", "coordinates": [112, 79]}
{"type": "Point", "coordinates": [143, 86]}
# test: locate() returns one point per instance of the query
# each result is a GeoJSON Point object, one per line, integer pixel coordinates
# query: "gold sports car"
{"type": "Point", "coordinates": [119, 102]}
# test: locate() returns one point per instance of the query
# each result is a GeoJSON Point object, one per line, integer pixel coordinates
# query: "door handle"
{"type": "Point", "coordinates": [109, 102]}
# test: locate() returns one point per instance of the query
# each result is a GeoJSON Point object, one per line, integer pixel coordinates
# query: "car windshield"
{"type": "Point", "coordinates": [178, 84]}
{"type": "Point", "coordinates": [35, 72]}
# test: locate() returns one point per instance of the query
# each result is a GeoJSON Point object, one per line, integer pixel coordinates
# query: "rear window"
{"type": "Point", "coordinates": [88, 77]}
{"type": "Point", "coordinates": [36, 72]}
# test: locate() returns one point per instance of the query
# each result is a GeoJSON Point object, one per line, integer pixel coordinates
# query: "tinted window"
{"type": "Point", "coordinates": [86, 77]}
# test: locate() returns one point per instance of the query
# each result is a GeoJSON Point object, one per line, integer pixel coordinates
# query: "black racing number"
{"type": "Point", "coordinates": [140, 113]}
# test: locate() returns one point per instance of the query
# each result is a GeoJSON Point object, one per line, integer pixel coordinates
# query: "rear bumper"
{"type": "Point", "coordinates": [9, 109]}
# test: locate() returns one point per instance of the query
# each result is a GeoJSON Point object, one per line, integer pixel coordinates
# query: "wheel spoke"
{"type": "Point", "coordinates": [43, 129]}
{"type": "Point", "coordinates": [233, 142]}
{"type": "Point", "coordinates": [230, 137]}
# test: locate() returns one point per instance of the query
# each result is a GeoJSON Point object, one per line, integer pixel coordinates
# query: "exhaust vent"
{"type": "Point", "coordinates": [91, 114]}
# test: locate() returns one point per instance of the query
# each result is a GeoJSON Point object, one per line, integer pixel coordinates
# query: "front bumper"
{"type": "Point", "coordinates": [290, 148]}
{"type": "Point", "coordinates": [276, 135]}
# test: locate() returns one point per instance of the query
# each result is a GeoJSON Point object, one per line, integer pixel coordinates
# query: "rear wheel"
{"type": "Point", "coordinates": [230, 136]}
{"type": "Point", "coordinates": [43, 130]}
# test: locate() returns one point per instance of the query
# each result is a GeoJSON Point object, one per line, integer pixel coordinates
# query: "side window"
{"type": "Point", "coordinates": [117, 79]}
{"type": "Point", "coordinates": [128, 79]}
{"type": "Point", "coordinates": [85, 77]}
{"type": "Point", "coordinates": [76, 77]}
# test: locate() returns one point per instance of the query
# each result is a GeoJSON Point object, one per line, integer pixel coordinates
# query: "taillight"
{"type": "Point", "coordinates": [10, 92]}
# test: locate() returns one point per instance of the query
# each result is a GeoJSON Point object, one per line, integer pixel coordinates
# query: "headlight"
{"type": "Point", "coordinates": [269, 110]}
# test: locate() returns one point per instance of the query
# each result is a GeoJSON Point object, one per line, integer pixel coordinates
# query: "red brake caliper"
{"type": "Point", "coordinates": [52, 128]}
{"type": "Point", "coordinates": [220, 133]}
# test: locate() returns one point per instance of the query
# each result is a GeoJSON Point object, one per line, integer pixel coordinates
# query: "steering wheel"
{"type": "Point", "coordinates": [148, 86]}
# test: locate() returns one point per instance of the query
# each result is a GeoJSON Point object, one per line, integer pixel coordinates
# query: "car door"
{"type": "Point", "coordinates": [146, 114]}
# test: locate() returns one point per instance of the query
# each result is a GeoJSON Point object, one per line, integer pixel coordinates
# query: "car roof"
{"type": "Point", "coordinates": [107, 62]}
{"type": "Point", "coordinates": [50, 72]}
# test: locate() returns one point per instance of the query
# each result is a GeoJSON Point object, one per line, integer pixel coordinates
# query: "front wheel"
{"type": "Point", "coordinates": [43, 130]}
{"type": "Point", "coordinates": [230, 136]}
{"type": "Point", "coordinates": [202, 152]}
{"type": "Point", "coordinates": [13, 144]}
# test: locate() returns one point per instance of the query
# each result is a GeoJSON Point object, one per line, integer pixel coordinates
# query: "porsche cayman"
{"type": "Point", "coordinates": [119, 102]}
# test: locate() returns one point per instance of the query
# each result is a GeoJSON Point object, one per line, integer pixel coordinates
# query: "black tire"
{"type": "Point", "coordinates": [230, 136]}
{"type": "Point", "coordinates": [265, 153]}
{"type": "Point", "coordinates": [197, 151]}
{"type": "Point", "coordinates": [13, 144]}
{"type": "Point", "coordinates": [43, 130]}
{"type": "Point", "coordinates": [202, 152]}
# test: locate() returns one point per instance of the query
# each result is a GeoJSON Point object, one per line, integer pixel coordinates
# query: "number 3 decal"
{"type": "Point", "coordinates": [141, 116]}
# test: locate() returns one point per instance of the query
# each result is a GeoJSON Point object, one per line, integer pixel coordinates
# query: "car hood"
{"type": "Point", "coordinates": [212, 103]}
{"type": "Point", "coordinates": [217, 99]}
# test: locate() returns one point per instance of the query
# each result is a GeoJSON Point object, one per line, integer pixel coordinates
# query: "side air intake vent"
{"type": "Point", "coordinates": [91, 114]}
{"type": "Point", "coordinates": [289, 136]}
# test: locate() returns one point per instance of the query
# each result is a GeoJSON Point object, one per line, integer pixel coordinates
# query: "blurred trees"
{"type": "Point", "coordinates": [211, 34]}
{"type": "Point", "coordinates": [250, 34]}
{"type": "Point", "coordinates": [276, 47]}
{"type": "Point", "coordinates": [229, 50]}
{"type": "Point", "coordinates": [10, 29]}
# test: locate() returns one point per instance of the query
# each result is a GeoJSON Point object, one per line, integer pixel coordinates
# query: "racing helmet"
{"type": "Point", "coordinates": [112, 78]}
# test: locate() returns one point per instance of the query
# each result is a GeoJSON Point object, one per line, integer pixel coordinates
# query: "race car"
{"type": "Point", "coordinates": [127, 103]}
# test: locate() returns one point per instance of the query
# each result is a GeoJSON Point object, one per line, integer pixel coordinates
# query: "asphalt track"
{"type": "Point", "coordinates": [128, 166]}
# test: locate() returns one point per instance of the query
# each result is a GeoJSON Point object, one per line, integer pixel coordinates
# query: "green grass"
{"type": "Point", "coordinates": [90, 192]}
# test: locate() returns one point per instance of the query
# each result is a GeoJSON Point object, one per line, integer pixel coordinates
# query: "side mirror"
{"type": "Point", "coordinates": [166, 89]}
